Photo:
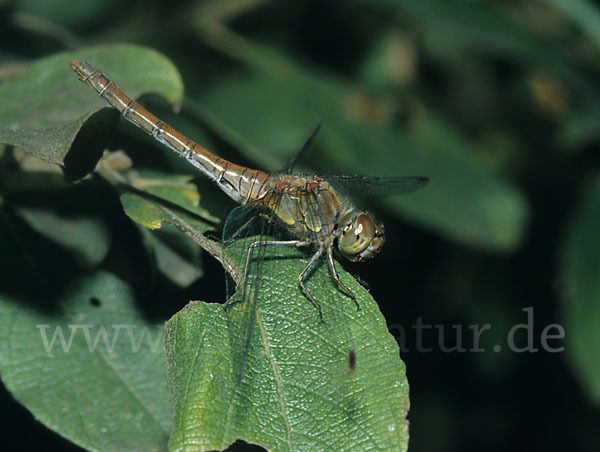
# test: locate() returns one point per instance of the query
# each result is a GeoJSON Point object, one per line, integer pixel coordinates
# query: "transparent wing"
{"type": "Point", "coordinates": [357, 186]}
{"type": "Point", "coordinates": [243, 226]}
{"type": "Point", "coordinates": [241, 223]}
{"type": "Point", "coordinates": [289, 166]}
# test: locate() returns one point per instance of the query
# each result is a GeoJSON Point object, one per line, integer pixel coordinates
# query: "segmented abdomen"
{"type": "Point", "coordinates": [242, 184]}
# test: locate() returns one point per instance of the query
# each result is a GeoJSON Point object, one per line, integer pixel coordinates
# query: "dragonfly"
{"type": "Point", "coordinates": [316, 211]}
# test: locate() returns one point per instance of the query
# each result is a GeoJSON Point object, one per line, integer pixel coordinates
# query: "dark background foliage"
{"type": "Point", "coordinates": [512, 84]}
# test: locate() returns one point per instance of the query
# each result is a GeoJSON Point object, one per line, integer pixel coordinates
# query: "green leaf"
{"type": "Point", "coordinates": [44, 110]}
{"type": "Point", "coordinates": [290, 387]}
{"type": "Point", "coordinates": [110, 396]}
{"type": "Point", "coordinates": [151, 213]}
{"type": "Point", "coordinates": [580, 267]}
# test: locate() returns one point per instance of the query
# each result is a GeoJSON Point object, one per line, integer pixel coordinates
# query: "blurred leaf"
{"type": "Point", "coordinates": [464, 199]}
{"type": "Point", "coordinates": [264, 128]}
{"type": "Point", "coordinates": [452, 26]}
{"type": "Point", "coordinates": [87, 236]}
{"type": "Point", "coordinates": [44, 110]}
{"type": "Point", "coordinates": [173, 265]}
{"type": "Point", "coordinates": [392, 61]}
{"type": "Point", "coordinates": [75, 14]}
{"type": "Point", "coordinates": [583, 13]}
{"type": "Point", "coordinates": [581, 128]}
{"type": "Point", "coordinates": [580, 267]}
{"type": "Point", "coordinates": [48, 30]}
{"type": "Point", "coordinates": [296, 390]}
{"type": "Point", "coordinates": [451, 29]}
{"type": "Point", "coordinates": [103, 386]}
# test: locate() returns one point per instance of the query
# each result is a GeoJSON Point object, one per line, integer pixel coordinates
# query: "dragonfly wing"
{"type": "Point", "coordinates": [245, 229]}
{"type": "Point", "coordinates": [357, 186]}
{"type": "Point", "coordinates": [242, 222]}
{"type": "Point", "coordinates": [242, 227]}
{"type": "Point", "coordinates": [289, 166]}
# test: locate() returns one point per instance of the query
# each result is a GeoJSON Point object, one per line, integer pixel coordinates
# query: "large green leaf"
{"type": "Point", "coordinates": [102, 384]}
{"type": "Point", "coordinates": [580, 267]}
{"type": "Point", "coordinates": [290, 386]}
{"type": "Point", "coordinates": [44, 110]}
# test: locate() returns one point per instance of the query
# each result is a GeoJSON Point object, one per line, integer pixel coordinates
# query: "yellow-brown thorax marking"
{"type": "Point", "coordinates": [307, 205]}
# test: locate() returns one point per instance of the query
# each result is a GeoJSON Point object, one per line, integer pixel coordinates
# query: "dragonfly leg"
{"type": "Point", "coordinates": [334, 273]}
{"type": "Point", "coordinates": [254, 245]}
{"type": "Point", "coordinates": [302, 277]}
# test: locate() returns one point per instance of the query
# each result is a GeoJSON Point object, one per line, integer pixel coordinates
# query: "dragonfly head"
{"type": "Point", "coordinates": [361, 236]}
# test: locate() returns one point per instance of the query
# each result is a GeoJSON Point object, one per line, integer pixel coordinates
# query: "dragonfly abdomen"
{"type": "Point", "coordinates": [242, 184]}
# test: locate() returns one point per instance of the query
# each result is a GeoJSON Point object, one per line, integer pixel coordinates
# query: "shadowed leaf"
{"type": "Point", "coordinates": [103, 386]}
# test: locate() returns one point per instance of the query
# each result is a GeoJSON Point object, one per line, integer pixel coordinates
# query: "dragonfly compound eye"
{"type": "Point", "coordinates": [362, 237]}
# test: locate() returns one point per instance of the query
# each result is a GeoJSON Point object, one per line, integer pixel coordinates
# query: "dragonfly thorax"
{"type": "Point", "coordinates": [312, 210]}
{"type": "Point", "coordinates": [307, 205]}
